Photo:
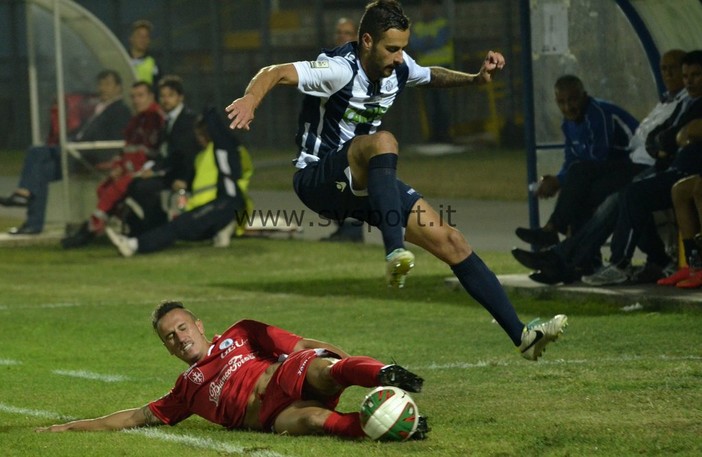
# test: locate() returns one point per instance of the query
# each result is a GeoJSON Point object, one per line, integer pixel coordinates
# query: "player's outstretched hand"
{"type": "Point", "coordinates": [241, 112]}
{"type": "Point", "coordinates": [53, 428]}
{"type": "Point", "coordinates": [493, 62]}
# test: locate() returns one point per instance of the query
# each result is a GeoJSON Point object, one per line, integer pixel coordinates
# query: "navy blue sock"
{"type": "Point", "coordinates": [482, 284]}
{"type": "Point", "coordinates": [384, 200]}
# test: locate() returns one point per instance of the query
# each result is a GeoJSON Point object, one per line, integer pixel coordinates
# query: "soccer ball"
{"type": "Point", "coordinates": [389, 414]}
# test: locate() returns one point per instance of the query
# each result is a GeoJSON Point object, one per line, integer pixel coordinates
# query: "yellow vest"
{"type": "Point", "coordinates": [204, 187]}
{"type": "Point", "coordinates": [144, 69]}
{"type": "Point", "coordinates": [247, 170]}
{"type": "Point", "coordinates": [443, 56]}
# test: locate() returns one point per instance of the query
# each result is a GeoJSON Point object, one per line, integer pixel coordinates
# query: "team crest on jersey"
{"type": "Point", "coordinates": [341, 185]}
{"type": "Point", "coordinates": [225, 344]}
{"type": "Point", "coordinates": [196, 376]}
{"type": "Point", "coordinates": [319, 64]}
{"type": "Point", "coordinates": [389, 85]}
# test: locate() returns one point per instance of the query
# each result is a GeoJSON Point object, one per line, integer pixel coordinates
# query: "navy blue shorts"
{"type": "Point", "coordinates": [325, 188]}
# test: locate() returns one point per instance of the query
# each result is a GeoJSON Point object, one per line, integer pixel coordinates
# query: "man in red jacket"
{"type": "Point", "coordinates": [142, 139]}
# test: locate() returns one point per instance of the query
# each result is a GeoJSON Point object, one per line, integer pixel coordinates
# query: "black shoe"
{"type": "Point", "coordinates": [395, 375]}
{"type": "Point", "coordinates": [698, 240]}
{"type": "Point", "coordinates": [536, 260]}
{"type": "Point", "coordinates": [537, 237]}
{"type": "Point", "coordinates": [80, 238]}
{"type": "Point", "coordinates": [555, 274]}
{"type": "Point", "coordinates": [422, 429]}
{"type": "Point", "coordinates": [545, 278]}
{"type": "Point", "coordinates": [24, 229]}
{"type": "Point", "coordinates": [16, 199]}
{"type": "Point", "coordinates": [647, 274]}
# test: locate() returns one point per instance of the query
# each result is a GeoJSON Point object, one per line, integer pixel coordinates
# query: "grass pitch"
{"type": "Point", "coordinates": [77, 342]}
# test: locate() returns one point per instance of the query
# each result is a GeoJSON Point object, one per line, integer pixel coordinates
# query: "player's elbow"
{"type": "Point", "coordinates": [284, 74]}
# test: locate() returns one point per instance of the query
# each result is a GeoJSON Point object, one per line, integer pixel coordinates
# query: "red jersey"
{"type": "Point", "coordinates": [143, 131]}
{"type": "Point", "coordinates": [217, 388]}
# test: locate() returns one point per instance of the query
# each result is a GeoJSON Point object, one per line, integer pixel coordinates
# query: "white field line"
{"type": "Point", "coordinates": [91, 375]}
{"type": "Point", "coordinates": [31, 412]}
{"type": "Point", "coordinates": [8, 362]}
{"type": "Point", "coordinates": [185, 300]}
{"type": "Point", "coordinates": [202, 443]}
{"type": "Point", "coordinates": [188, 440]}
{"type": "Point", "coordinates": [39, 306]}
{"type": "Point", "coordinates": [502, 363]}
{"type": "Point", "coordinates": [57, 305]}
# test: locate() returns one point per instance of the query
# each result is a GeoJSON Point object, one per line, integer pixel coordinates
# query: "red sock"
{"type": "Point", "coordinates": [344, 424]}
{"type": "Point", "coordinates": [356, 371]}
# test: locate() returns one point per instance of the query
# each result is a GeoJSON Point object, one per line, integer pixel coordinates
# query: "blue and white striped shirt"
{"type": "Point", "coordinates": [341, 102]}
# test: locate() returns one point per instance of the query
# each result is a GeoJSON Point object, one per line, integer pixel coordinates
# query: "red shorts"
{"type": "Point", "coordinates": [286, 386]}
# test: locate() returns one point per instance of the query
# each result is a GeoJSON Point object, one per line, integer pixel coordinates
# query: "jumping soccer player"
{"type": "Point", "coordinates": [347, 168]}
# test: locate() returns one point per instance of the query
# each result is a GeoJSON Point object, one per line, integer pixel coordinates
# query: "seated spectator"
{"type": "Point", "coordinates": [42, 164]}
{"type": "Point", "coordinates": [596, 163]}
{"type": "Point", "coordinates": [219, 200]}
{"type": "Point", "coordinates": [142, 138]}
{"type": "Point", "coordinates": [687, 201]}
{"type": "Point", "coordinates": [640, 199]}
{"type": "Point", "coordinates": [579, 254]}
{"type": "Point", "coordinates": [174, 169]}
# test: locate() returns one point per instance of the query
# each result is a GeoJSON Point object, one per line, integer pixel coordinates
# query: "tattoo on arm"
{"type": "Point", "coordinates": [151, 420]}
{"type": "Point", "coordinates": [443, 77]}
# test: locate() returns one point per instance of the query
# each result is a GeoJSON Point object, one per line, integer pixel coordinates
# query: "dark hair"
{"type": "Point", "coordinates": [166, 307]}
{"type": "Point", "coordinates": [173, 82]}
{"type": "Point", "coordinates": [104, 74]}
{"type": "Point", "coordinates": [201, 126]}
{"type": "Point", "coordinates": [148, 86]}
{"type": "Point", "coordinates": [382, 15]}
{"type": "Point", "coordinates": [569, 81]}
{"type": "Point", "coordinates": [692, 58]}
{"type": "Point", "coordinates": [142, 24]}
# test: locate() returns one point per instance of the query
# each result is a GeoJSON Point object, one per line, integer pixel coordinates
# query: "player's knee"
{"type": "Point", "coordinates": [457, 245]}
{"type": "Point", "coordinates": [384, 143]}
{"type": "Point", "coordinates": [319, 376]}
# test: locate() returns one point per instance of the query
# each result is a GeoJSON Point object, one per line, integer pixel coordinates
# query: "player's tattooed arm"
{"type": "Point", "coordinates": [150, 420]}
{"type": "Point", "coordinates": [119, 420]}
{"type": "Point", "coordinates": [444, 77]}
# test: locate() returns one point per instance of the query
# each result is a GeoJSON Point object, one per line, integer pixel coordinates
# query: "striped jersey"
{"type": "Point", "coordinates": [341, 102]}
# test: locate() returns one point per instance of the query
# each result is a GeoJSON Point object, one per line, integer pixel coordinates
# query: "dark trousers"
{"type": "Point", "coordinates": [587, 185]}
{"type": "Point", "coordinates": [198, 224]}
{"type": "Point", "coordinates": [582, 250]}
{"type": "Point", "coordinates": [637, 204]}
{"type": "Point", "coordinates": [42, 164]}
{"type": "Point", "coordinates": [146, 192]}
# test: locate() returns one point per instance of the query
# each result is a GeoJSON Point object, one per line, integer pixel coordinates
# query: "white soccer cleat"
{"type": "Point", "coordinates": [399, 263]}
{"type": "Point", "coordinates": [121, 242]}
{"type": "Point", "coordinates": [538, 334]}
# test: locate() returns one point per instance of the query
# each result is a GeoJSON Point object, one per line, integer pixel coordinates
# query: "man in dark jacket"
{"type": "Point", "coordinates": [218, 198]}
{"type": "Point", "coordinates": [42, 164]}
{"type": "Point", "coordinates": [640, 199]}
{"type": "Point", "coordinates": [174, 169]}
